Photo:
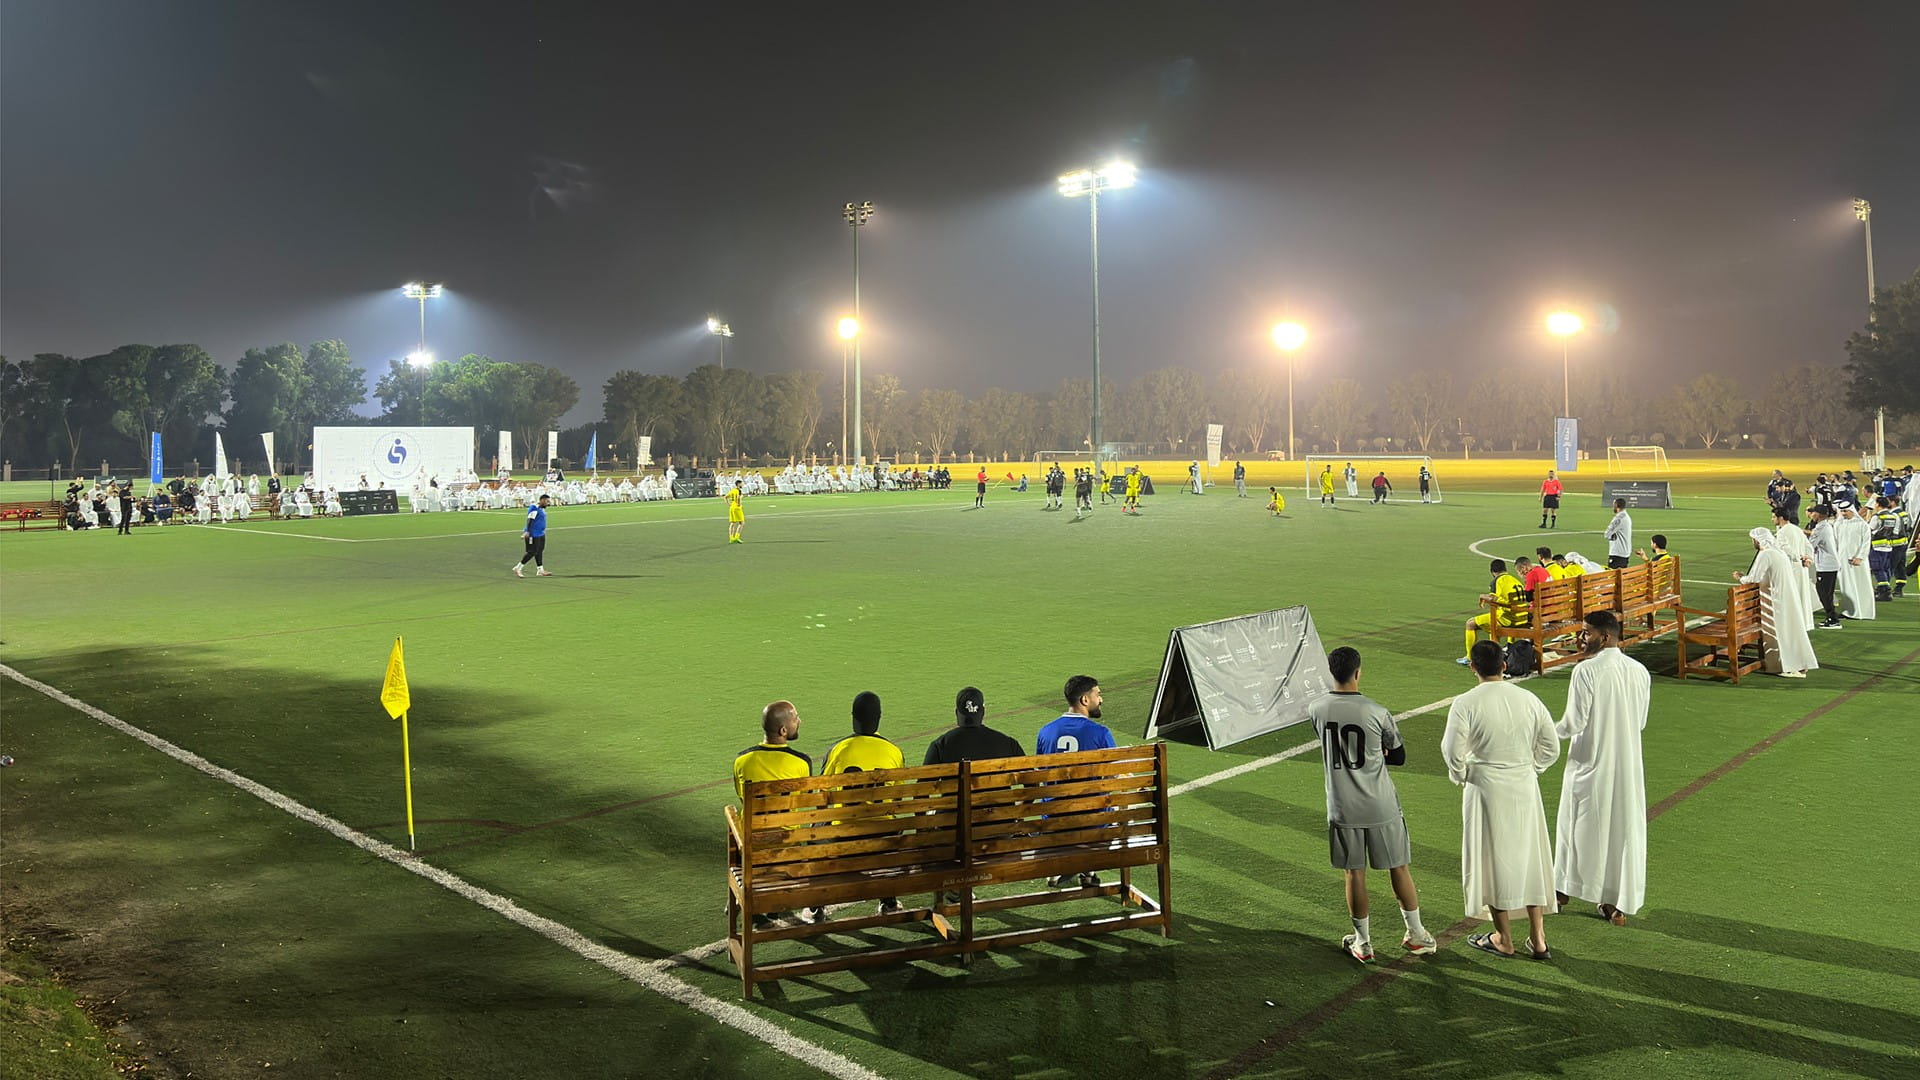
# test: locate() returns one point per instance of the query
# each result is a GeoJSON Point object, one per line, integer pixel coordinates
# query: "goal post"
{"type": "Point", "coordinates": [1403, 474]}
{"type": "Point", "coordinates": [1630, 458]}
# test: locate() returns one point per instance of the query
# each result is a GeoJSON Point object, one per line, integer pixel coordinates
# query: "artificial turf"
{"type": "Point", "coordinates": [571, 737]}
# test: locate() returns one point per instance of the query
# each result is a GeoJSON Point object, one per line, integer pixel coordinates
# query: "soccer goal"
{"type": "Point", "coordinates": [1403, 475]}
{"type": "Point", "coordinates": [1636, 458]}
{"type": "Point", "coordinates": [1067, 459]}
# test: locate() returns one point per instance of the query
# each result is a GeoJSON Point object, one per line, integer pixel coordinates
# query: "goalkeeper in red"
{"type": "Point", "coordinates": [1365, 827]}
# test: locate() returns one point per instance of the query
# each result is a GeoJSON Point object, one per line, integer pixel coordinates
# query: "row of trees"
{"type": "Point", "coordinates": [56, 407]}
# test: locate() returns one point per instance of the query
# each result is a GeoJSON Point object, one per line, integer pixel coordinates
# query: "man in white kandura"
{"type": "Point", "coordinates": [1854, 539]}
{"type": "Point", "coordinates": [1619, 536]}
{"type": "Point", "coordinates": [1352, 476]}
{"type": "Point", "coordinates": [1600, 842]}
{"type": "Point", "coordinates": [1499, 739]}
{"type": "Point", "coordinates": [1792, 541]}
{"type": "Point", "coordinates": [1785, 615]}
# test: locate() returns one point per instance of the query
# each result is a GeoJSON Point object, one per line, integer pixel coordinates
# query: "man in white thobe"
{"type": "Point", "coordinates": [1499, 739]}
{"type": "Point", "coordinates": [1600, 841]}
{"type": "Point", "coordinates": [1785, 616]}
{"type": "Point", "coordinates": [1619, 536]}
{"type": "Point", "coordinates": [1352, 476]}
{"type": "Point", "coordinates": [1792, 542]}
{"type": "Point", "coordinates": [1853, 542]}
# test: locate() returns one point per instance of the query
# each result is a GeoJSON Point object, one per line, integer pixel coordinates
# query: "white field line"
{"type": "Point", "coordinates": [652, 975]}
{"type": "Point", "coordinates": [1475, 546]}
{"type": "Point", "coordinates": [573, 528]}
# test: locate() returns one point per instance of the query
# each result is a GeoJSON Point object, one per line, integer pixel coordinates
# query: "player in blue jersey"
{"type": "Point", "coordinates": [1076, 729]}
{"type": "Point", "coordinates": [535, 534]}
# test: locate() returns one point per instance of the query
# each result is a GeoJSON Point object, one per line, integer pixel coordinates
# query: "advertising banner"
{"type": "Point", "coordinates": [153, 469]}
{"type": "Point", "coordinates": [1566, 444]}
{"type": "Point", "coordinates": [553, 447]}
{"type": "Point", "coordinates": [1229, 681]}
{"type": "Point", "coordinates": [219, 457]}
{"type": "Point", "coordinates": [390, 457]}
{"type": "Point", "coordinates": [266, 440]}
{"type": "Point", "coordinates": [506, 450]}
{"type": "Point", "coordinates": [646, 452]}
{"type": "Point", "coordinates": [1214, 431]}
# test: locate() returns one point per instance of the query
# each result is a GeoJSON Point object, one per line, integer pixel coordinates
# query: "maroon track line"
{"type": "Point", "coordinates": [1327, 1011]}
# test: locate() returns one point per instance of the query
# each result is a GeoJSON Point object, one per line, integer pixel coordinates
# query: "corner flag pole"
{"type": "Point", "coordinates": [406, 764]}
{"type": "Point", "coordinates": [396, 698]}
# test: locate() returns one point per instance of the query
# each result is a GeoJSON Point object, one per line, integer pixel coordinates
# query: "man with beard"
{"type": "Point", "coordinates": [1601, 854]}
{"type": "Point", "coordinates": [1076, 729]}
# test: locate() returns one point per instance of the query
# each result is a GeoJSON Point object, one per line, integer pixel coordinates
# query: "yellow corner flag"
{"type": "Point", "coordinates": [393, 692]}
{"type": "Point", "coordinates": [397, 700]}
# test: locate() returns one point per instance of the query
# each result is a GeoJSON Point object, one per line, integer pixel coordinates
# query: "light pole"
{"type": "Point", "coordinates": [1863, 210]}
{"type": "Point", "coordinates": [1563, 325]}
{"type": "Point", "coordinates": [1288, 337]}
{"type": "Point", "coordinates": [722, 331]}
{"type": "Point", "coordinates": [849, 333]}
{"type": "Point", "coordinates": [856, 215]}
{"type": "Point", "coordinates": [422, 291]}
{"type": "Point", "coordinates": [1091, 182]}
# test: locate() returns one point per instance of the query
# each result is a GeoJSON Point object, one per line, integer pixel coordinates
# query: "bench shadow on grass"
{"type": "Point", "coordinates": [1125, 1005]}
{"type": "Point", "coordinates": [1515, 1018]}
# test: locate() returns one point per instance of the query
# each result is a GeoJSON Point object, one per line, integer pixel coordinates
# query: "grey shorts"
{"type": "Point", "coordinates": [1382, 847]}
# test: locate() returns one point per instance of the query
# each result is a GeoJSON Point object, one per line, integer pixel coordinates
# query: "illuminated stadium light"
{"type": "Point", "coordinates": [849, 329]}
{"type": "Point", "coordinates": [1563, 323]}
{"type": "Point", "coordinates": [1862, 209]}
{"type": "Point", "coordinates": [421, 290]}
{"type": "Point", "coordinates": [718, 328]}
{"type": "Point", "coordinates": [1114, 174]}
{"type": "Point", "coordinates": [857, 214]}
{"type": "Point", "coordinates": [1091, 182]}
{"type": "Point", "coordinates": [1289, 335]}
{"type": "Point", "coordinates": [420, 358]}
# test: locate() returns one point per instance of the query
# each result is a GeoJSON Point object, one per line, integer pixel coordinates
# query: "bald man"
{"type": "Point", "coordinates": [774, 759]}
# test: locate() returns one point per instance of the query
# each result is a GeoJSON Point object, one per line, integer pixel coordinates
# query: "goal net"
{"type": "Point", "coordinates": [1402, 471]}
{"type": "Point", "coordinates": [1633, 458]}
{"type": "Point", "coordinates": [1068, 460]}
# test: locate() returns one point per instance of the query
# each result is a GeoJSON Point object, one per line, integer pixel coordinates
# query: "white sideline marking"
{"type": "Point", "coordinates": [652, 975]}
{"type": "Point", "coordinates": [1475, 546]}
{"type": "Point", "coordinates": [572, 528]}
{"type": "Point", "coordinates": [295, 536]}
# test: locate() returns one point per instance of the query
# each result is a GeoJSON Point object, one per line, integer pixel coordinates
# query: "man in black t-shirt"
{"type": "Point", "coordinates": [972, 739]}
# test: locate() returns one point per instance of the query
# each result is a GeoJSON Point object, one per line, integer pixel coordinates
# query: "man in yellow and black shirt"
{"type": "Point", "coordinates": [1510, 599]}
{"type": "Point", "coordinates": [773, 759]}
{"type": "Point", "coordinates": [865, 751]}
{"type": "Point", "coordinates": [1131, 504]}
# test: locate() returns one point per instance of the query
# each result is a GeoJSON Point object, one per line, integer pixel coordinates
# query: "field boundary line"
{"type": "Point", "coordinates": [275, 532]}
{"type": "Point", "coordinates": [652, 975]}
{"type": "Point", "coordinates": [564, 527]}
{"type": "Point", "coordinates": [1475, 546]}
{"type": "Point", "coordinates": [1330, 1010]}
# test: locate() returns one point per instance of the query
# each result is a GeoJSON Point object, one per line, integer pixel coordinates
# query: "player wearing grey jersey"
{"type": "Point", "coordinates": [1358, 740]}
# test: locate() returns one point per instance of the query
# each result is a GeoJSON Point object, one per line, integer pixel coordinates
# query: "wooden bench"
{"type": "Point", "coordinates": [1728, 635]}
{"type": "Point", "coordinates": [1637, 594]}
{"type": "Point", "coordinates": [43, 513]}
{"type": "Point", "coordinates": [938, 832]}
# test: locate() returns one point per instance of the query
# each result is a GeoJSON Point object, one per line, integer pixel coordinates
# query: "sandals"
{"type": "Point", "coordinates": [1484, 942]}
{"type": "Point", "coordinates": [1538, 954]}
{"type": "Point", "coordinates": [1613, 914]}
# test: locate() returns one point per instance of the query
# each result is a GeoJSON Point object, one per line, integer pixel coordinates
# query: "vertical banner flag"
{"type": "Point", "coordinates": [397, 700]}
{"type": "Point", "coordinates": [553, 447]}
{"type": "Point", "coordinates": [506, 450]}
{"type": "Point", "coordinates": [219, 457]}
{"type": "Point", "coordinates": [1566, 444]}
{"type": "Point", "coordinates": [644, 455]}
{"type": "Point", "coordinates": [266, 440]}
{"type": "Point", "coordinates": [593, 451]}
{"type": "Point", "coordinates": [1214, 431]}
{"type": "Point", "coordinates": [153, 469]}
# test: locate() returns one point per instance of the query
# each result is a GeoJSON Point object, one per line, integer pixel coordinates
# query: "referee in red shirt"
{"type": "Point", "coordinates": [1550, 501]}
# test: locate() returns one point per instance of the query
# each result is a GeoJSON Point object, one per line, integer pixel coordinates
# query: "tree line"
{"type": "Point", "coordinates": [61, 408]}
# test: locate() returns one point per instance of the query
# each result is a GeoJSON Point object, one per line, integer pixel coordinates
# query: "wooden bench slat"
{"type": "Point", "coordinates": [1042, 842]}
{"type": "Point", "coordinates": [852, 812]}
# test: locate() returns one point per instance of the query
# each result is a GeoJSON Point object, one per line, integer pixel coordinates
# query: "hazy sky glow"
{"type": "Point", "coordinates": [591, 184]}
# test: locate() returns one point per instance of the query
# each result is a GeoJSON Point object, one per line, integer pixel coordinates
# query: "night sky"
{"type": "Point", "coordinates": [1416, 184]}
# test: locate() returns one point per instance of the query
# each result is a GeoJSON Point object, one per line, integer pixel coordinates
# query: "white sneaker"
{"type": "Point", "coordinates": [1420, 946]}
{"type": "Point", "coordinates": [516, 571]}
{"type": "Point", "coordinates": [544, 572]}
{"type": "Point", "coordinates": [1359, 950]}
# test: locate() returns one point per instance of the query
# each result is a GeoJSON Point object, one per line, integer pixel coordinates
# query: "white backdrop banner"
{"type": "Point", "coordinates": [1214, 431]}
{"type": "Point", "coordinates": [266, 440]}
{"type": "Point", "coordinates": [553, 447]}
{"type": "Point", "coordinates": [506, 450]}
{"type": "Point", "coordinates": [389, 457]}
{"type": "Point", "coordinates": [645, 456]}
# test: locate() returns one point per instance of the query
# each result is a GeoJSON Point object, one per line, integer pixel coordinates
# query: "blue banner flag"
{"type": "Point", "coordinates": [153, 470]}
{"type": "Point", "coordinates": [1566, 444]}
{"type": "Point", "coordinates": [593, 447]}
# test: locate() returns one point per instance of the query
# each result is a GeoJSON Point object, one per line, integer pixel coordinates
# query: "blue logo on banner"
{"type": "Point", "coordinates": [1566, 444]}
{"type": "Point", "coordinates": [153, 471]}
{"type": "Point", "coordinates": [391, 454]}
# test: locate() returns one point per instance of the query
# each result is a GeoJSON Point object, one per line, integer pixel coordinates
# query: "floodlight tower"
{"type": "Point", "coordinates": [1091, 182]}
{"type": "Point", "coordinates": [856, 215]}
{"type": "Point", "coordinates": [722, 331]}
{"type": "Point", "coordinates": [1563, 325]}
{"type": "Point", "coordinates": [849, 333]}
{"type": "Point", "coordinates": [1288, 337]}
{"type": "Point", "coordinates": [422, 291]}
{"type": "Point", "coordinates": [1863, 210]}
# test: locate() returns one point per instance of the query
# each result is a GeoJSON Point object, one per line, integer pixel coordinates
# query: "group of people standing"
{"type": "Point", "coordinates": [1499, 739]}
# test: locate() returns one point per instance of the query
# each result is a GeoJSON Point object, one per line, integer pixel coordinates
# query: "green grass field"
{"type": "Point", "coordinates": [571, 738]}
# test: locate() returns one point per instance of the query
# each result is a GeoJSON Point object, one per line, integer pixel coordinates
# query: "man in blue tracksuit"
{"type": "Point", "coordinates": [535, 534]}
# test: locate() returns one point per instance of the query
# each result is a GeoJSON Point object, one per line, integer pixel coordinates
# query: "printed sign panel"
{"type": "Point", "coordinates": [1566, 444]}
{"type": "Point", "coordinates": [390, 457]}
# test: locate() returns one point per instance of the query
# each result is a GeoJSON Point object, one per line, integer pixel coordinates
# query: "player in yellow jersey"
{"type": "Point", "coordinates": [1276, 502]}
{"type": "Point", "coordinates": [1131, 504]}
{"type": "Point", "coordinates": [1326, 486]}
{"type": "Point", "coordinates": [774, 759]}
{"type": "Point", "coordinates": [1510, 600]}
{"type": "Point", "coordinates": [864, 751]}
{"type": "Point", "coordinates": [736, 514]}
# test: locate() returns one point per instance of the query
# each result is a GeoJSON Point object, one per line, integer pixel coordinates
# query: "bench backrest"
{"type": "Point", "coordinates": [1061, 800]}
{"type": "Point", "coordinates": [844, 822]}
{"type": "Point", "coordinates": [1556, 602]}
{"type": "Point", "coordinates": [1743, 611]}
{"type": "Point", "coordinates": [1663, 580]}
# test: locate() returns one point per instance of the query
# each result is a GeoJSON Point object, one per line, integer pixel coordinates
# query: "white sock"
{"type": "Point", "coordinates": [1362, 931]}
{"type": "Point", "coordinates": [1414, 929]}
